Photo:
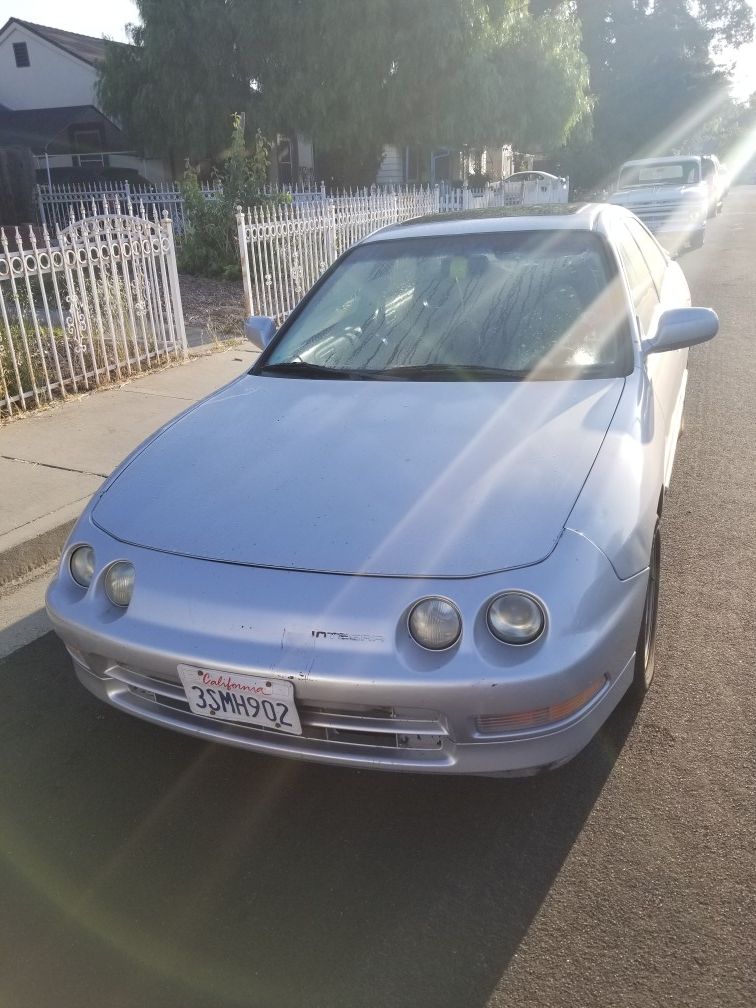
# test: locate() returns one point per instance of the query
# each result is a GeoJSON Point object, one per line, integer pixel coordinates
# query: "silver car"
{"type": "Point", "coordinates": [422, 533]}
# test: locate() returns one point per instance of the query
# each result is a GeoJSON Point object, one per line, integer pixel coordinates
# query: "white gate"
{"type": "Point", "coordinates": [97, 305]}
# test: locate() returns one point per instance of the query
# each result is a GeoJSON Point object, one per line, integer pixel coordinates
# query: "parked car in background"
{"type": "Point", "coordinates": [726, 177]}
{"type": "Point", "coordinates": [536, 176]}
{"type": "Point", "coordinates": [422, 533]}
{"type": "Point", "coordinates": [715, 180]}
{"type": "Point", "coordinates": [670, 196]}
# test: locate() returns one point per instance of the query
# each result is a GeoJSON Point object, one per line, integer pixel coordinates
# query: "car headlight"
{"type": "Point", "coordinates": [435, 624]}
{"type": "Point", "coordinates": [82, 565]}
{"type": "Point", "coordinates": [119, 582]}
{"type": "Point", "coordinates": [515, 618]}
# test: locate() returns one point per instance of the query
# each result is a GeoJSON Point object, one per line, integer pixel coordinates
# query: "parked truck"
{"type": "Point", "coordinates": [671, 197]}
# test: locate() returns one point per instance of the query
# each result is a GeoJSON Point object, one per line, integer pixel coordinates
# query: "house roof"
{"type": "Point", "coordinates": [85, 47]}
{"type": "Point", "coordinates": [48, 128]}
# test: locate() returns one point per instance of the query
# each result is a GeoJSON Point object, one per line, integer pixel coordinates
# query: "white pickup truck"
{"type": "Point", "coordinates": [671, 197]}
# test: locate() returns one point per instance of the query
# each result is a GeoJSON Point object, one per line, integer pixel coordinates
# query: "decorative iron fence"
{"type": "Point", "coordinates": [99, 303]}
{"type": "Point", "coordinates": [58, 204]}
{"type": "Point", "coordinates": [504, 194]}
{"type": "Point", "coordinates": [284, 248]}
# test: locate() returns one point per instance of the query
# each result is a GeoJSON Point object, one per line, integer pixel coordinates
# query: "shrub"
{"type": "Point", "coordinates": [209, 246]}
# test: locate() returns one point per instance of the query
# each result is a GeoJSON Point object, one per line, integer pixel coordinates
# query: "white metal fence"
{"type": "Point", "coordinates": [504, 194]}
{"type": "Point", "coordinates": [285, 247]}
{"type": "Point", "coordinates": [59, 203]}
{"type": "Point", "coordinates": [98, 303]}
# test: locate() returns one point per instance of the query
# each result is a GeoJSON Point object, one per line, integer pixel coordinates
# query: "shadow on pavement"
{"type": "Point", "coordinates": [139, 867]}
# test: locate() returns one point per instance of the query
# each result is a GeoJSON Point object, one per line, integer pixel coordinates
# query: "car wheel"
{"type": "Point", "coordinates": [696, 242]}
{"type": "Point", "coordinates": [645, 652]}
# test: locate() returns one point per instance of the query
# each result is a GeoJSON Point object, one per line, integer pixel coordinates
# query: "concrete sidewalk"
{"type": "Point", "coordinates": [51, 462]}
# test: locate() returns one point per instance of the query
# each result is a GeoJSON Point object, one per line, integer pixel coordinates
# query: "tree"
{"type": "Point", "coordinates": [176, 86]}
{"type": "Point", "coordinates": [354, 76]}
{"type": "Point", "coordinates": [652, 77]}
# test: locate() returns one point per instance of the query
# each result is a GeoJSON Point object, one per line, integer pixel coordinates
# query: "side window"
{"type": "Point", "coordinates": [645, 297]}
{"type": "Point", "coordinates": [652, 253]}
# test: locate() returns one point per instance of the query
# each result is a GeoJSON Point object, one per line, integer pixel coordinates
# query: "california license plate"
{"type": "Point", "coordinates": [253, 700]}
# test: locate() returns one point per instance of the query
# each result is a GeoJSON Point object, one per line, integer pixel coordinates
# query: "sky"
{"type": "Point", "coordinates": [108, 17]}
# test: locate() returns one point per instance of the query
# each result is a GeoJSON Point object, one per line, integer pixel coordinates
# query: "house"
{"type": "Point", "coordinates": [416, 165]}
{"type": "Point", "coordinates": [49, 103]}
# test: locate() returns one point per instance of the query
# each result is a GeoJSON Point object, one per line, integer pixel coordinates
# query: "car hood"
{"type": "Point", "coordinates": [442, 479]}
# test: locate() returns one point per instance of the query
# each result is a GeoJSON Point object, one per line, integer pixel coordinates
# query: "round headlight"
{"type": "Point", "coordinates": [435, 624]}
{"type": "Point", "coordinates": [82, 565]}
{"type": "Point", "coordinates": [119, 583]}
{"type": "Point", "coordinates": [515, 618]}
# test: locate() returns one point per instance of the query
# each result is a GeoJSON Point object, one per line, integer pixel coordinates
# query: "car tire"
{"type": "Point", "coordinates": [645, 651]}
{"type": "Point", "coordinates": [696, 242]}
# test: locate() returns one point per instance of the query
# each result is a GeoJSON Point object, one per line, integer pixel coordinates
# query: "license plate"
{"type": "Point", "coordinates": [253, 700]}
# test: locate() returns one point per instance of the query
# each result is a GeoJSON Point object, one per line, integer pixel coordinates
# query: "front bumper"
{"type": "Point", "coordinates": [677, 224]}
{"type": "Point", "coordinates": [367, 695]}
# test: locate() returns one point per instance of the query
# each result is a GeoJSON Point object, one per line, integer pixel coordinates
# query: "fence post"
{"type": "Point", "coordinates": [41, 205]}
{"type": "Point", "coordinates": [436, 198]}
{"type": "Point", "coordinates": [465, 195]}
{"type": "Point", "coordinates": [330, 229]}
{"type": "Point", "coordinates": [178, 311]}
{"type": "Point", "coordinates": [241, 232]}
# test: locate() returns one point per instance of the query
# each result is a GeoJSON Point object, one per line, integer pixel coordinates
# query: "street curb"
{"type": "Point", "coordinates": [22, 558]}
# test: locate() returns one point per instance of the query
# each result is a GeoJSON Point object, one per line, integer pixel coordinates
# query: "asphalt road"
{"type": "Point", "coordinates": [139, 868]}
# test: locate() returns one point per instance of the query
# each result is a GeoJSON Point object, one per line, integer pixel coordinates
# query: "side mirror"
{"type": "Point", "coordinates": [260, 330]}
{"type": "Point", "coordinates": [683, 327]}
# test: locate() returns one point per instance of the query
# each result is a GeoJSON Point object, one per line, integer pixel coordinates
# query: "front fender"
{"type": "Point", "coordinates": [617, 508]}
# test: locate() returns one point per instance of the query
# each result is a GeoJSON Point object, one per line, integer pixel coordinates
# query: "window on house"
{"type": "Point", "coordinates": [88, 142]}
{"type": "Point", "coordinates": [21, 52]}
{"type": "Point", "coordinates": [285, 166]}
{"type": "Point", "coordinates": [412, 164]}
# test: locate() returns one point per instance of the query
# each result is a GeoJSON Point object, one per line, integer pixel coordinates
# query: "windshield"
{"type": "Point", "coordinates": [505, 306]}
{"type": "Point", "coordinates": [672, 173]}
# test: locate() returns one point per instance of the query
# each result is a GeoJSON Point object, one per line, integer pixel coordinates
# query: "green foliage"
{"type": "Point", "coordinates": [353, 76]}
{"type": "Point", "coordinates": [652, 79]}
{"type": "Point", "coordinates": [176, 86]}
{"type": "Point", "coordinates": [209, 246]}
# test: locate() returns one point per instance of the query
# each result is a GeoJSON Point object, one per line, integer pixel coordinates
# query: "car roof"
{"type": "Point", "coordinates": [545, 217]}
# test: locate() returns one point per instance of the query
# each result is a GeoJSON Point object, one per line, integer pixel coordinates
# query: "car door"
{"type": "Point", "coordinates": [657, 283]}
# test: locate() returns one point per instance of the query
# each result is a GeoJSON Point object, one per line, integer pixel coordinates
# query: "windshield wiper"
{"type": "Point", "coordinates": [303, 369]}
{"type": "Point", "coordinates": [453, 372]}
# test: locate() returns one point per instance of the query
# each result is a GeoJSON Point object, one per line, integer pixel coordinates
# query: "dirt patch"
{"type": "Point", "coordinates": [213, 309]}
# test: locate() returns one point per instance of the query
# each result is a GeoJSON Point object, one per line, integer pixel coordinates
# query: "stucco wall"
{"type": "Point", "coordinates": [53, 79]}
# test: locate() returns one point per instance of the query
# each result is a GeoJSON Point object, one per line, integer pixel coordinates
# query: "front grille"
{"type": "Point", "coordinates": [668, 215]}
{"type": "Point", "coordinates": [357, 729]}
